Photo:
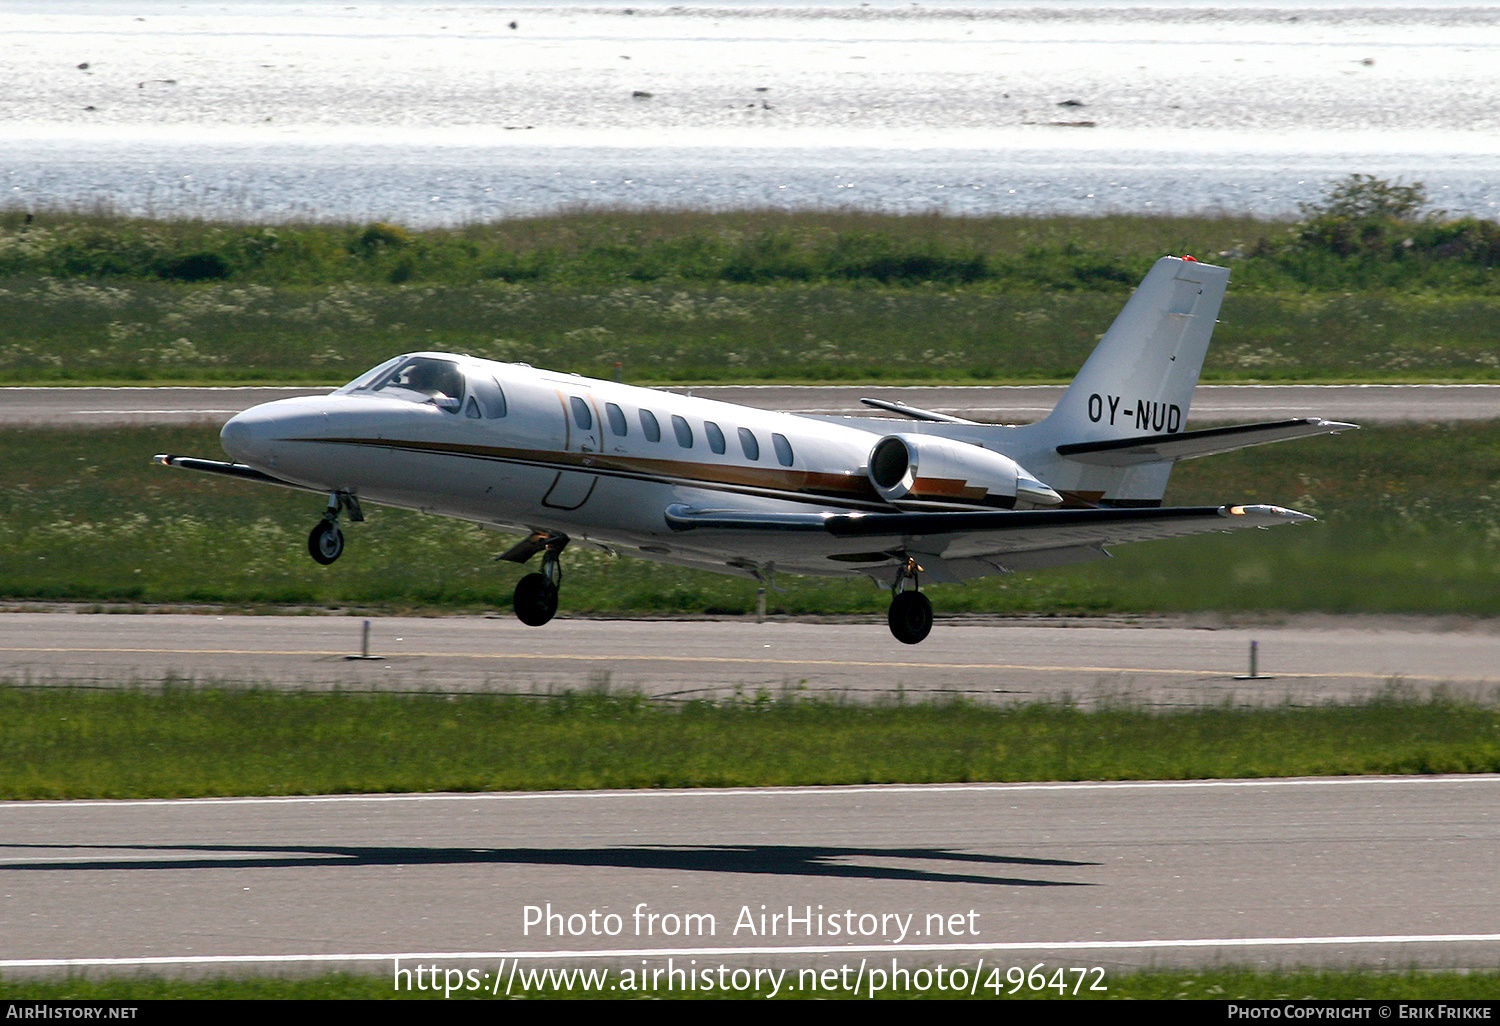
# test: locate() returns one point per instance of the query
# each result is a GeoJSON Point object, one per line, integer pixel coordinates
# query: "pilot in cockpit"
{"type": "Point", "coordinates": [426, 376]}
{"type": "Point", "coordinates": [439, 380]}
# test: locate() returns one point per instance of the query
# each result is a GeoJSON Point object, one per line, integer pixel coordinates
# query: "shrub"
{"type": "Point", "coordinates": [195, 267]}
{"type": "Point", "coordinates": [380, 236]}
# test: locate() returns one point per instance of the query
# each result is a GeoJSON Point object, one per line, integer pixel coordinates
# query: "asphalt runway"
{"type": "Point", "coordinates": [1157, 662]}
{"type": "Point", "coordinates": [1360, 404]}
{"type": "Point", "coordinates": [1383, 872]}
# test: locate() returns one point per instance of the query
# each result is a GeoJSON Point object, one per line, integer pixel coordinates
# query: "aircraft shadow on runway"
{"type": "Point", "coordinates": [772, 859]}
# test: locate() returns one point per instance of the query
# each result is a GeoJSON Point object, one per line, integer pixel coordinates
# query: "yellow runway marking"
{"type": "Point", "coordinates": [735, 660]}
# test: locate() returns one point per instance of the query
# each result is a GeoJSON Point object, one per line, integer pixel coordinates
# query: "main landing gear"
{"type": "Point", "coordinates": [325, 543]}
{"type": "Point", "coordinates": [535, 600]}
{"type": "Point", "coordinates": [911, 612]}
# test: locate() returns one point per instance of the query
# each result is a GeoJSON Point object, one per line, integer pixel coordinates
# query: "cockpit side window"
{"type": "Point", "coordinates": [438, 381]}
{"type": "Point", "coordinates": [489, 393]}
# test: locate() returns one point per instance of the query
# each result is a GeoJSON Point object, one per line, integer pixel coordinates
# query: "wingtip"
{"type": "Point", "coordinates": [1274, 514]}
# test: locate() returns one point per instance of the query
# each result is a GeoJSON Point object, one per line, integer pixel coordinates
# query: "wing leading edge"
{"type": "Point", "coordinates": [961, 546]}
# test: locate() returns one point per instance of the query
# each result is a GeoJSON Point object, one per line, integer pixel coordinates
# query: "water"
{"type": "Point", "coordinates": [428, 114]}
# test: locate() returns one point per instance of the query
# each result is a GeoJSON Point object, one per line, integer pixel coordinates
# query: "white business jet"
{"type": "Point", "coordinates": [750, 492]}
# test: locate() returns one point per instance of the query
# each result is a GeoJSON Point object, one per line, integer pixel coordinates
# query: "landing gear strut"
{"type": "Point", "coordinates": [535, 599]}
{"type": "Point", "coordinates": [326, 542]}
{"type": "Point", "coordinates": [911, 613]}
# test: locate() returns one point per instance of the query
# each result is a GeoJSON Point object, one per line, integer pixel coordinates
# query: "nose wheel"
{"type": "Point", "coordinates": [325, 542]}
{"type": "Point", "coordinates": [535, 598]}
{"type": "Point", "coordinates": [910, 617]}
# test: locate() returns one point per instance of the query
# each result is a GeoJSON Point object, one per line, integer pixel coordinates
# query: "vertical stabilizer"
{"type": "Point", "coordinates": [1140, 378]}
{"type": "Point", "coordinates": [1138, 382]}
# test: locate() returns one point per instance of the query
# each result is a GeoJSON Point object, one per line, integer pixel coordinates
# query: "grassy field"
{"type": "Point", "coordinates": [82, 332]}
{"type": "Point", "coordinates": [752, 296]}
{"type": "Point", "coordinates": [179, 741]}
{"type": "Point", "coordinates": [1158, 985]}
{"type": "Point", "coordinates": [1409, 523]}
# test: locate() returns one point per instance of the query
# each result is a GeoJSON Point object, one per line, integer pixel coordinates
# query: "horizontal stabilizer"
{"type": "Point", "coordinates": [1185, 445]}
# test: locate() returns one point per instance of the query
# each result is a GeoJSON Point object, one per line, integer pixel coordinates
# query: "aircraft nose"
{"type": "Point", "coordinates": [248, 437]}
{"type": "Point", "coordinates": [256, 435]}
{"type": "Point", "coordinates": [238, 438]}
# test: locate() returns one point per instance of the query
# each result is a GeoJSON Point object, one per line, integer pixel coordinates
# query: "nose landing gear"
{"type": "Point", "coordinates": [910, 617]}
{"type": "Point", "coordinates": [325, 543]}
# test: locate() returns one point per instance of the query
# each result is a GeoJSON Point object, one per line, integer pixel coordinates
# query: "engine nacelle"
{"type": "Point", "coordinates": [908, 469]}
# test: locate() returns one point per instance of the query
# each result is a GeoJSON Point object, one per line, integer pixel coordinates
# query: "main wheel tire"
{"type": "Point", "coordinates": [910, 617]}
{"type": "Point", "coordinates": [535, 600]}
{"type": "Point", "coordinates": [326, 542]}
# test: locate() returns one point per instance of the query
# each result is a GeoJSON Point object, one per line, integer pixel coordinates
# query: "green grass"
{"type": "Point", "coordinates": [1219, 984]}
{"type": "Point", "coordinates": [675, 297]}
{"type": "Point", "coordinates": [1410, 523]}
{"type": "Point", "coordinates": [77, 332]}
{"type": "Point", "coordinates": [1055, 253]}
{"type": "Point", "coordinates": [180, 741]}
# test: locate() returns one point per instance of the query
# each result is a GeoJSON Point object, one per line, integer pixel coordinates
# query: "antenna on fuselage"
{"type": "Point", "coordinates": [904, 410]}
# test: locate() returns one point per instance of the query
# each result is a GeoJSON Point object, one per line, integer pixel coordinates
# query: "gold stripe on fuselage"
{"type": "Point", "coordinates": [850, 490]}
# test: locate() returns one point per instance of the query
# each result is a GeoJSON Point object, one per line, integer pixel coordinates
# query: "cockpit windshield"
{"type": "Point", "coordinates": [416, 379]}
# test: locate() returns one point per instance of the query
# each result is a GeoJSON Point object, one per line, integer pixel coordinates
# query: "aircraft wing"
{"type": "Point", "coordinates": [960, 546]}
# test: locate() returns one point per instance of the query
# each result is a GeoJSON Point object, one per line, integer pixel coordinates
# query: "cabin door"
{"type": "Point", "coordinates": [583, 438]}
